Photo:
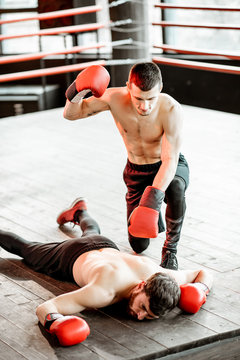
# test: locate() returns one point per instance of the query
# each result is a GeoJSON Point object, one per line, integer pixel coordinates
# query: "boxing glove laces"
{"type": "Point", "coordinates": [69, 330]}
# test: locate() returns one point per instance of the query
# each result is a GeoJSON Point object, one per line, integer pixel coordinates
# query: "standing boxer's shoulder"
{"type": "Point", "coordinates": [168, 103]}
{"type": "Point", "coordinates": [115, 93]}
{"type": "Point", "coordinates": [117, 98]}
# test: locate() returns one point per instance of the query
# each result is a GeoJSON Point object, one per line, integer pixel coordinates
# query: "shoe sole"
{"type": "Point", "coordinates": [70, 207]}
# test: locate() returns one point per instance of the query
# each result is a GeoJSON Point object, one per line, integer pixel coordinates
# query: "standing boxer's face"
{"type": "Point", "coordinates": [143, 101]}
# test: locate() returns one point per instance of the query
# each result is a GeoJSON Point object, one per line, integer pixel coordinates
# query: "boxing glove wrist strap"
{"type": "Point", "coordinates": [152, 198]}
{"type": "Point", "coordinates": [202, 286]}
{"type": "Point", "coordinates": [79, 96]}
{"type": "Point", "coordinates": [50, 318]}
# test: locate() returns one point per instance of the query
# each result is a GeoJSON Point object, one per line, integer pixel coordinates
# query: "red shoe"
{"type": "Point", "coordinates": [68, 214]}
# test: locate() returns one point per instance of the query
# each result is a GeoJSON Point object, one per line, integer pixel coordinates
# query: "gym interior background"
{"type": "Point", "coordinates": [45, 161]}
{"type": "Point", "coordinates": [130, 33]}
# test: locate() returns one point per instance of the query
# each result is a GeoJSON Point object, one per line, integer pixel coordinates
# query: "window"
{"type": "Point", "coordinates": [212, 39]}
{"type": "Point", "coordinates": [12, 9]}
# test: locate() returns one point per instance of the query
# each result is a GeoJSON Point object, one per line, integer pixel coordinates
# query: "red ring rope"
{"type": "Point", "coordinates": [197, 65]}
{"type": "Point", "coordinates": [49, 71]}
{"type": "Point", "coordinates": [186, 7]}
{"type": "Point", "coordinates": [40, 55]}
{"type": "Point", "coordinates": [55, 31]}
{"type": "Point", "coordinates": [195, 52]}
{"type": "Point", "coordinates": [56, 14]}
{"type": "Point", "coordinates": [204, 26]}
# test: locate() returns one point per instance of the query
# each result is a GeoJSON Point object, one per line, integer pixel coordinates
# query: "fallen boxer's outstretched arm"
{"type": "Point", "coordinates": [70, 330]}
{"type": "Point", "coordinates": [195, 285]}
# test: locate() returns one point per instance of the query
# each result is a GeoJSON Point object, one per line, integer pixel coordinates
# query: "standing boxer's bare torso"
{"type": "Point", "coordinates": [141, 132]}
{"type": "Point", "coordinates": [149, 122]}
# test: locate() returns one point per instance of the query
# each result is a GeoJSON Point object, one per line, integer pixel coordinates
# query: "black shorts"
{"type": "Point", "coordinates": [57, 259]}
{"type": "Point", "coordinates": [133, 172]}
{"type": "Point", "coordinates": [138, 177]}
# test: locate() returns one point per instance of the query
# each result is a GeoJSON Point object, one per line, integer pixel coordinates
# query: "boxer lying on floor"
{"type": "Point", "coordinates": [105, 276]}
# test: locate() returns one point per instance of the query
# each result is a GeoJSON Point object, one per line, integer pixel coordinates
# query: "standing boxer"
{"type": "Point", "coordinates": [150, 123]}
{"type": "Point", "coordinates": [105, 276]}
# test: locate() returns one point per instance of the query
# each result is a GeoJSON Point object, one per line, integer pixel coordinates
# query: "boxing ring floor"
{"type": "Point", "coordinates": [46, 162]}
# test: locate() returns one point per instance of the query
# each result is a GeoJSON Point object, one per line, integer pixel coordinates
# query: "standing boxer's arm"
{"type": "Point", "coordinates": [143, 221]}
{"type": "Point", "coordinates": [95, 79]}
{"type": "Point", "coordinates": [171, 142]}
{"type": "Point", "coordinates": [85, 108]}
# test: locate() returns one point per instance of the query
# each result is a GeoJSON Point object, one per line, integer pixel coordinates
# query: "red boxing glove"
{"type": "Point", "coordinates": [95, 78]}
{"type": "Point", "coordinates": [193, 296]}
{"type": "Point", "coordinates": [69, 330]}
{"type": "Point", "coordinates": [143, 221]}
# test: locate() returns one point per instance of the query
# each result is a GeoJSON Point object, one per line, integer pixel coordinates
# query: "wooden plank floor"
{"type": "Point", "coordinates": [46, 162]}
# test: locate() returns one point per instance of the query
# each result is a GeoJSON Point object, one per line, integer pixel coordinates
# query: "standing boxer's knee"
{"type": "Point", "coordinates": [138, 244]}
{"type": "Point", "coordinates": [176, 189]}
{"type": "Point", "coordinates": [175, 198]}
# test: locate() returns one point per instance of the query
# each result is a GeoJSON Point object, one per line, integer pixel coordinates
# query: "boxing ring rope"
{"type": "Point", "coordinates": [57, 31]}
{"type": "Point", "coordinates": [77, 67]}
{"type": "Point", "coordinates": [72, 50]}
{"type": "Point", "coordinates": [56, 14]}
{"type": "Point", "coordinates": [187, 7]}
{"type": "Point", "coordinates": [197, 65]}
{"type": "Point", "coordinates": [49, 71]}
{"type": "Point", "coordinates": [170, 48]}
{"type": "Point", "coordinates": [61, 69]}
{"type": "Point", "coordinates": [204, 26]}
{"type": "Point", "coordinates": [41, 55]}
{"type": "Point", "coordinates": [96, 26]}
{"type": "Point", "coordinates": [194, 64]}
